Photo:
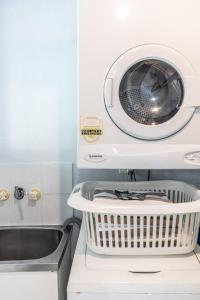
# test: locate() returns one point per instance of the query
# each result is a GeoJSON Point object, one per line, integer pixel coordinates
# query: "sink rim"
{"type": "Point", "coordinates": [50, 262]}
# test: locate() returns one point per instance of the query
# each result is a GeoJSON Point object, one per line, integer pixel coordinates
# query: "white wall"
{"type": "Point", "coordinates": [38, 107]}
{"type": "Point", "coordinates": [37, 80]}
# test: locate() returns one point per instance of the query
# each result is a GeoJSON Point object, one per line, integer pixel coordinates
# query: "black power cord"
{"type": "Point", "coordinates": [148, 175]}
{"type": "Point", "coordinates": [132, 175]}
{"type": "Point", "coordinates": [71, 222]}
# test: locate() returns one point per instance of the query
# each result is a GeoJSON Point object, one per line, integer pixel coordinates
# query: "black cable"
{"type": "Point", "coordinates": [148, 175]}
{"type": "Point", "coordinates": [69, 225]}
{"type": "Point", "coordinates": [70, 222]}
{"type": "Point", "coordinates": [132, 175]}
{"type": "Point", "coordinates": [73, 210]}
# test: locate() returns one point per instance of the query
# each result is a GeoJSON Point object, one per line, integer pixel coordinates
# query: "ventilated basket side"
{"type": "Point", "coordinates": [135, 234]}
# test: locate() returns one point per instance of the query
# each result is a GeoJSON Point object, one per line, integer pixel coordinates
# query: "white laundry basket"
{"type": "Point", "coordinates": [120, 227]}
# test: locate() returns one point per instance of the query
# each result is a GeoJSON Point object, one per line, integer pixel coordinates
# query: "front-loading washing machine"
{"type": "Point", "coordinates": [100, 277]}
{"type": "Point", "coordinates": [139, 78]}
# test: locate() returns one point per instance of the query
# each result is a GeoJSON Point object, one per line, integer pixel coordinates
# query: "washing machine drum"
{"type": "Point", "coordinates": [151, 92]}
{"type": "Point", "coordinates": [151, 98]}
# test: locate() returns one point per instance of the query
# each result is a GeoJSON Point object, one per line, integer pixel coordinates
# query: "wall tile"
{"type": "Point", "coordinates": [55, 183]}
{"type": "Point", "coordinates": [55, 209]}
{"type": "Point", "coordinates": [56, 178]}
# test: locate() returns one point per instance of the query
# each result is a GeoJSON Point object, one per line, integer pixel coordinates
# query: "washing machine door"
{"type": "Point", "coordinates": [151, 91]}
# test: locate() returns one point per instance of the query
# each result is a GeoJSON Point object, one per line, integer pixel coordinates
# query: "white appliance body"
{"type": "Point", "coordinates": [99, 277]}
{"type": "Point", "coordinates": [116, 39]}
{"type": "Point", "coordinates": [139, 108]}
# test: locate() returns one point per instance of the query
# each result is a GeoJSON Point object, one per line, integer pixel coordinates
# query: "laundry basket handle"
{"type": "Point", "coordinates": [77, 201]}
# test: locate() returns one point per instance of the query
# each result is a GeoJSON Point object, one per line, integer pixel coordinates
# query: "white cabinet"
{"type": "Point", "coordinates": [29, 286]}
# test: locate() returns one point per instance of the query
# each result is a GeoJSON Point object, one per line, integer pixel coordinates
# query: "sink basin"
{"type": "Point", "coordinates": [28, 243]}
{"type": "Point", "coordinates": [34, 248]}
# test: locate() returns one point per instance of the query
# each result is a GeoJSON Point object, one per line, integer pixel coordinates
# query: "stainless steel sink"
{"type": "Point", "coordinates": [28, 243]}
{"type": "Point", "coordinates": [40, 251]}
{"type": "Point", "coordinates": [32, 248]}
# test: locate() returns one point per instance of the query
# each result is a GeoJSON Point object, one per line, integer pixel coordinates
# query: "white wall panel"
{"type": "Point", "coordinates": [37, 80]}
{"type": "Point", "coordinates": [38, 107]}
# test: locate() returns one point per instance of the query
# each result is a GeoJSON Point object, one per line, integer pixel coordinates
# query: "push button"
{"type": "Point", "coordinates": [193, 157]}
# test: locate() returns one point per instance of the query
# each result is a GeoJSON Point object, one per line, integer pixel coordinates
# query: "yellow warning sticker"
{"type": "Point", "coordinates": [91, 128]}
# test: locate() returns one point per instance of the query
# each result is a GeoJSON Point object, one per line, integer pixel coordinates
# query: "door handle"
{"type": "Point", "coordinates": [108, 92]}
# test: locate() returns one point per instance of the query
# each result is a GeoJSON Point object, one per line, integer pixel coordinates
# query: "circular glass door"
{"type": "Point", "coordinates": [151, 92]}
